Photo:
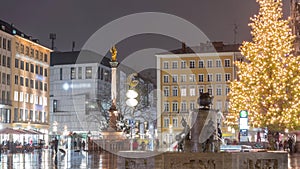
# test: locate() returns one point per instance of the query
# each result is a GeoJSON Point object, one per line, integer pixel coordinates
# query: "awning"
{"type": "Point", "coordinates": [10, 131]}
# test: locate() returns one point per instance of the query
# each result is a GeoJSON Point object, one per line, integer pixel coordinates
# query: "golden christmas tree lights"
{"type": "Point", "coordinates": [268, 83]}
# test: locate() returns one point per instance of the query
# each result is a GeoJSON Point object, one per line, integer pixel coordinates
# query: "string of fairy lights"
{"type": "Point", "coordinates": [268, 83]}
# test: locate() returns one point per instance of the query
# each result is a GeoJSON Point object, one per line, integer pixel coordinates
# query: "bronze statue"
{"type": "Point", "coordinates": [113, 52]}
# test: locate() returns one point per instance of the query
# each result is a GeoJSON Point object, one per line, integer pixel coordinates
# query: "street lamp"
{"type": "Point", "coordinates": [131, 102]}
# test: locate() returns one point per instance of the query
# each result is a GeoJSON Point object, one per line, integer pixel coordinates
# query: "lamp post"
{"type": "Point", "coordinates": [131, 102]}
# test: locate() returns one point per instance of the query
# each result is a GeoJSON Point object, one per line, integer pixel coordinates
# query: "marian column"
{"type": "Point", "coordinates": [113, 109]}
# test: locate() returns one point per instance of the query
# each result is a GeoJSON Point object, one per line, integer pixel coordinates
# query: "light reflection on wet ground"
{"type": "Point", "coordinates": [45, 159]}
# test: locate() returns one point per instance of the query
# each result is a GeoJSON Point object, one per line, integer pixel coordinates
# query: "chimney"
{"type": "Point", "coordinates": [183, 47]}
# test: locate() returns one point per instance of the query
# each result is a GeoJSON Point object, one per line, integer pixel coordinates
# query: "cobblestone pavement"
{"type": "Point", "coordinates": [46, 159]}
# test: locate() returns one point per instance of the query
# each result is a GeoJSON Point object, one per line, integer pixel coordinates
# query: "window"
{"type": "Point", "coordinates": [182, 91]}
{"type": "Point", "coordinates": [166, 65]}
{"type": "Point", "coordinates": [227, 77]}
{"type": "Point", "coordinates": [41, 85]}
{"type": "Point", "coordinates": [26, 82]}
{"type": "Point", "coordinates": [88, 72]}
{"type": "Point", "coordinates": [218, 77]}
{"type": "Point", "coordinates": [210, 91]}
{"type": "Point", "coordinates": [45, 58]}
{"type": "Point", "coordinates": [21, 96]}
{"type": "Point", "coordinates": [16, 79]}
{"type": "Point", "coordinates": [201, 89]}
{"type": "Point", "coordinates": [22, 114]}
{"type": "Point", "coordinates": [36, 100]}
{"type": "Point", "coordinates": [46, 72]}
{"type": "Point", "coordinates": [27, 66]}
{"type": "Point", "coordinates": [31, 68]}
{"type": "Point", "coordinates": [45, 101]}
{"type": "Point", "coordinates": [8, 62]}
{"type": "Point", "coordinates": [166, 78]}
{"type": "Point", "coordinates": [166, 122]}
{"type": "Point", "coordinates": [41, 56]}
{"type": "Point", "coordinates": [227, 63]}
{"type": "Point", "coordinates": [22, 65]}
{"type": "Point", "coordinates": [209, 77]}
{"type": "Point", "coordinates": [192, 105]}
{"type": "Point", "coordinates": [73, 73]}
{"type": "Point", "coordinates": [3, 78]}
{"type": "Point", "coordinates": [201, 77]}
{"type": "Point", "coordinates": [41, 70]}
{"type": "Point", "coordinates": [183, 78]}
{"type": "Point", "coordinates": [174, 91]}
{"type": "Point", "coordinates": [16, 113]}
{"type": "Point", "coordinates": [31, 84]}
{"type": "Point", "coordinates": [27, 50]}
{"type": "Point", "coordinates": [175, 122]}
{"type": "Point", "coordinates": [3, 95]}
{"type": "Point", "coordinates": [26, 99]}
{"type": "Point", "coordinates": [174, 65]}
{"type": "Point", "coordinates": [45, 87]}
{"type": "Point", "coordinates": [226, 105]}
{"type": "Point", "coordinates": [166, 91]}
{"type": "Point", "coordinates": [219, 91]}
{"type": "Point", "coordinates": [36, 54]}
{"type": "Point", "coordinates": [166, 107]}
{"type": "Point", "coordinates": [0, 60]}
{"type": "Point", "coordinates": [227, 90]}
{"type": "Point", "coordinates": [16, 96]}
{"type": "Point", "coordinates": [183, 107]}
{"type": "Point", "coordinates": [40, 100]}
{"type": "Point", "coordinates": [31, 115]}
{"type": "Point", "coordinates": [60, 74]}
{"type": "Point", "coordinates": [209, 63]}
{"type": "Point", "coordinates": [183, 64]}
{"type": "Point", "coordinates": [192, 64]}
{"type": "Point", "coordinates": [36, 84]}
{"type": "Point", "coordinates": [3, 60]}
{"type": "Point", "coordinates": [36, 69]}
{"type": "Point", "coordinates": [174, 78]}
{"type": "Point", "coordinates": [4, 43]}
{"type": "Point", "coordinates": [21, 81]}
{"type": "Point", "coordinates": [201, 64]}
{"type": "Point", "coordinates": [0, 42]}
{"type": "Point", "coordinates": [174, 106]}
{"type": "Point", "coordinates": [22, 48]}
{"type": "Point", "coordinates": [8, 79]}
{"type": "Point", "coordinates": [192, 77]}
{"type": "Point", "coordinates": [192, 91]}
{"type": "Point", "coordinates": [218, 63]}
{"type": "Point", "coordinates": [8, 45]}
{"type": "Point", "coordinates": [31, 52]}
{"type": "Point", "coordinates": [31, 98]}
{"type": "Point", "coordinates": [80, 73]}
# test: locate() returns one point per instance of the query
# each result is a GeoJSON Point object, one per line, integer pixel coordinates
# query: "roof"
{"type": "Point", "coordinates": [77, 57]}
{"type": "Point", "coordinates": [206, 48]}
{"type": "Point", "coordinates": [11, 29]}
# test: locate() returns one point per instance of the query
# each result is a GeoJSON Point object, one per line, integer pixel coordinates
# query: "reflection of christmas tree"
{"type": "Point", "coordinates": [268, 84]}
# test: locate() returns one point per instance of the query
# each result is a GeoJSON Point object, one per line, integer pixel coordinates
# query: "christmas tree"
{"type": "Point", "coordinates": [268, 83]}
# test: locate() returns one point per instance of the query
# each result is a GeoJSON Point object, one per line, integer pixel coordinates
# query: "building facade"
{"type": "Point", "coordinates": [24, 81]}
{"type": "Point", "coordinates": [5, 75]}
{"type": "Point", "coordinates": [80, 92]}
{"type": "Point", "coordinates": [185, 73]}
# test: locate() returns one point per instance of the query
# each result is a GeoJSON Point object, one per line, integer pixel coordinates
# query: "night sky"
{"type": "Point", "coordinates": [77, 20]}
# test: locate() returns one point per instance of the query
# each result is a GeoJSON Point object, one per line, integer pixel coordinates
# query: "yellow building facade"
{"type": "Point", "coordinates": [25, 98]}
{"type": "Point", "coordinates": [182, 76]}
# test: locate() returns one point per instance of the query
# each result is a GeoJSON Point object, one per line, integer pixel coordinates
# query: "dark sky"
{"type": "Point", "coordinates": [77, 20]}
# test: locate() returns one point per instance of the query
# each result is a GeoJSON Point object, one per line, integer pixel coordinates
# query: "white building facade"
{"type": "Point", "coordinates": [79, 93]}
